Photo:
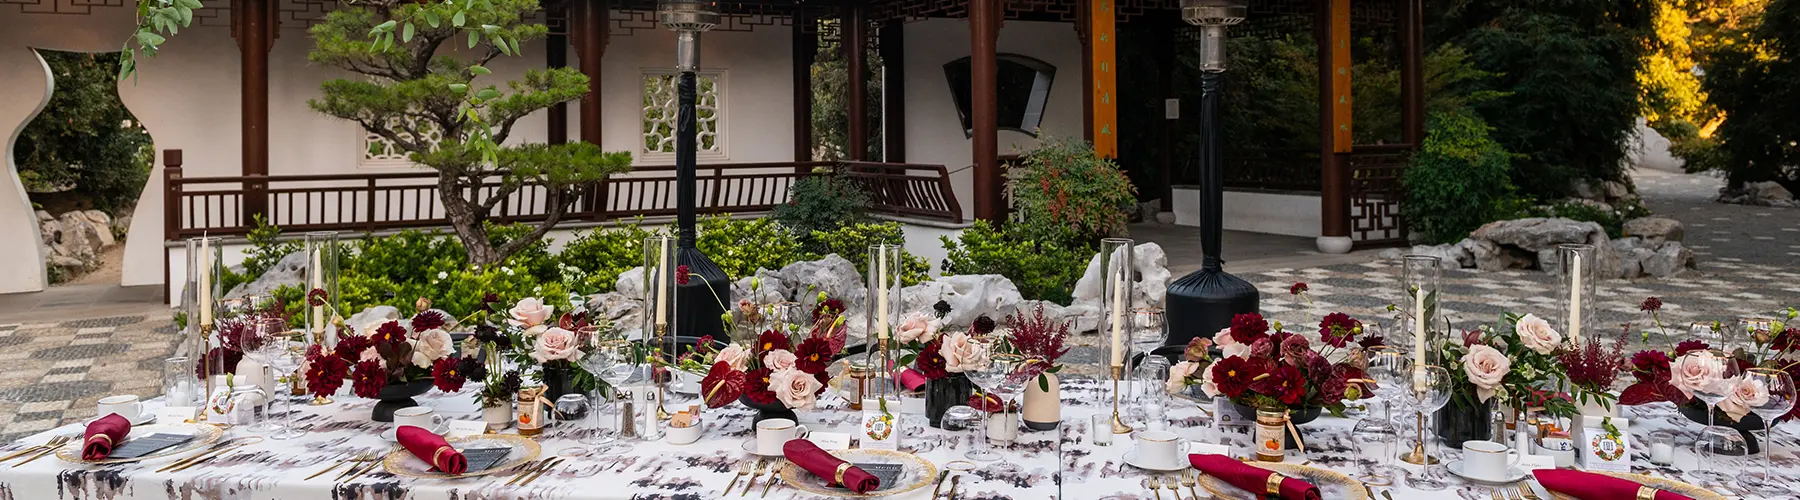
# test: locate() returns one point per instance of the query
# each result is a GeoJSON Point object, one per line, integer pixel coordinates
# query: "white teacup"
{"type": "Point", "coordinates": [771, 434]}
{"type": "Point", "coordinates": [1159, 449]}
{"type": "Point", "coordinates": [125, 405]}
{"type": "Point", "coordinates": [418, 416]}
{"type": "Point", "coordinates": [1488, 460]}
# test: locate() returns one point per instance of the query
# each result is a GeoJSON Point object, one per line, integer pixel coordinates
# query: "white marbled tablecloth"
{"type": "Point", "coordinates": [1060, 464]}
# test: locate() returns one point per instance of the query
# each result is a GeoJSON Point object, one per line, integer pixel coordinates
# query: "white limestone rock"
{"type": "Point", "coordinates": [770, 288]}
{"type": "Point", "coordinates": [834, 275]}
{"type": "Point", "coordinates": [630, 282]}
{"type": "Point", "coordinates": [289, 271]}
{"type": "Point", "coordinates": [1669, 260]}
{"type": "Point", "coordinates": [970, 296]}
{"type": "Point", "coordinates": [369, 318]}
{"type": "Point", "coordinates": [1450, 255]}
{"type": "Point", "coordinates": [1151, 288]}
{"type": "Point", "coordinates": [626, 312]}
{"type": "Point", "coordinates": [1654, 229]}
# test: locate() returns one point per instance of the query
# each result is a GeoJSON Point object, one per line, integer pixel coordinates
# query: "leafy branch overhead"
{"type": "Point", "coordinates": [424, 75]}
{"type": "Point", "coordinates": [156, 21]}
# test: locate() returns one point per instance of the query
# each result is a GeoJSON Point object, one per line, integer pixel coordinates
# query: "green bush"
{"type": "Point", "coordinates": [1756, 82]}
{"type": "Point", "coordinates": [534, 258]}
{"type": "Point", "coordinates": [1043, 269]}
{"type": "Point", "coordinates": [1063, 186]}
{"type": "Point", "coordinates": [741, 246]}
{"type": "Point", "coordinates": [852, 242]}
{"type": "Point", "coordinates": [604, 253]}
{"type": "Point", "coordinates": [1457, 181]}
{"type": "Point", "coordinates": [822, 203]}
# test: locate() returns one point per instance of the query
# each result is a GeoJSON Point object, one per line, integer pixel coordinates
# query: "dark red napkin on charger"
{"type": "Point", "coordinates": [102, 435]}
{"type": "Point", "coordinates": [425, 445]}
{"type": "Point", "coordinates": [815, 460]}
{"type": "Point", "coordinates": [1251, 478]}
{"type": "Point", "coordinates": [1591, 486]}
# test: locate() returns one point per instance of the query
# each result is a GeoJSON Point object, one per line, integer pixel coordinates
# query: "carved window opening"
{"type": "Point", "coordinates": [378, 152]}
{"type": "Point", "coordinates": [660, 107]}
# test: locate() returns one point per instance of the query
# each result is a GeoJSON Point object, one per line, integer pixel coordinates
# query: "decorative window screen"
{"type": "Point", "coordinates": [660, 107]}
{"type": "Point", "coordinates": [378, 152]}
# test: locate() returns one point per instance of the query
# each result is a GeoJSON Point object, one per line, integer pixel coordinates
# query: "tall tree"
{"type": "Point", "coordinates": [1756, 84]}
{"type": "Point", "coordinates": [420, 62]}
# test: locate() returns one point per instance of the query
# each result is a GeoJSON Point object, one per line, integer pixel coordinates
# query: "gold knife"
{"type": "Point", "coordinates": [40, 454]}
{"type": "Point", "coordinates": [942, 475]}
{"type": "Point", "coordinates": [334, 465]}
{"type": "Point", "coordinates": [554, 463]}
{"type": "Point", "coordinates": [347, 472]}
{"type": "Point", "coordinates": [529, 469]}
{"type": "Point", "coordinates": [365, 470]}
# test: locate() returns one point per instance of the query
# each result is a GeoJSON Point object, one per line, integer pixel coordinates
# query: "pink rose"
{"type": "Point", "coordinates": [963, 354]}
{"type": "Point", "coordinates": [1206, 382]}
{"type": "Point", "coordinates": [1230, 346]}
{"type": "Point", "coordinates": [1745, 394]}
{"type": "Point", "coordinates": [735, 356]}
{"type": "Point", "coordinates": [1695, 371]}
{"type": "Point", "coordinates": [917, 328]}
{"type": "Point", "coordinates": [369, 354]}
{"type": "Point", "coordinates": [778, 360]}
{"type": "Point", "coordinates": [555, 344]}
{"type": "Point", "coordinates": [796, 389]}
{"type": "Point", "coordinates": [530, 312]}
{"type": "Point", "coordinates": [1178, 376]}
{"type": "Point", "coordinates": [1486, 367]}
{"type": "Point", "coordinates": [1537, 335]}
{"type": "Point", "coordinates": [431, 345]}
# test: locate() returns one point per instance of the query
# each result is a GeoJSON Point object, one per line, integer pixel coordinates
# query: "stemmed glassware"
{"type": "Point", "coordinates": [1391, 370]}
{"type": "Point", "coordinates": [1428, 391]}
{"type": "Point", "coordinates": [1724, 372]}
{"type": "Point", "coordinates": [1770, 395]}
{"type": "Point", "coordinates": [1001, 379]}
{"type": "Point", "coordinates": [614, 361]}
{"type": "Point", "coordinates": [281, 349]}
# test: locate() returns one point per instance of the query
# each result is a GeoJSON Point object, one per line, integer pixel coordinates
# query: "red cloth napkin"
{"type": "Point", "coordinates": [425, 445]}
{"type": "Point", "coordinates": [911, 379]}
{"type": "Point", "coordinates": [1591, 486]}
{"type": "Point", "coordinates": [1251, 478]}
{"type": "Point", "coordinates": [815, 460]}
{"type": "Point", "coordinates": [102, 435]}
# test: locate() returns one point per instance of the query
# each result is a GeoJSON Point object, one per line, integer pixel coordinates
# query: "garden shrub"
{"type": "Point", "coordinates": [1062, 186]}
{"type": "Point", "coordinates": [1457, 181]}
{"type": "Point", "coordinates": [852, 242]}
{"type": "Point", "coordinates": [605, 252]}
{"type": "Point", "coordinates": [535, 257]}
{"type": "Point", "coordinates": [1043, 269]}
{"type": "Point", "coordinates": [741, 246]}
{"type": "Point", "coordinates": [822, 203]}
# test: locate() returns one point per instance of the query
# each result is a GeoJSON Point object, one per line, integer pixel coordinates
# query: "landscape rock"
{"type": "Point", "coordinates": [970, 296]}
{"type": "Point", "coordinates": [1585, 189]}
{"type": "Point", "coordinates": [1165, 217]}
{"type": "Point", "coordinates": [1537, 234]}
{"type": "Point", "coordinates": [1766, 193]}
{"type": "Point", "coordinates": [1615, 190]}
{"type": "Point", "coordinates": [373, 316]}
{"type": "Point", "coordinates": [44, 216]}
{"type": "Point", "coordinates": [1147, 210]}
{"type": "Point", "coordinates": [770, 288]}
{"type": "Point", "coordinates": [1153, 275]}
{"type": "Point", "coordinates": [122, 225]}
{"type": "Point", "coordinates": [72, 242]}
{"type": "Point", "coordinates": [1450, 256]}
{"type": "Point", "coordinates": [1488, 256]}
{"type": "Point", "coordinates": [835, 276]}
{"type": "Point", "coordinates": [1631, 252]}
{"type": "Point", "coordinates": [626, 312]}
{"type": "Point", "coordinates": [1654, 229]}
{"type": "Point", "coordinates": [289, 271]}
{"type": "Point", "coordinates": [630, 282]}
{"type": "Point", "coordinates": [1391, 254]}
{"type": "Point", "coordinates": [1669, 260]}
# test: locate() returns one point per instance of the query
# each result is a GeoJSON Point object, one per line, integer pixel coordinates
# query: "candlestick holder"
{"type": "Point", "coordinates": [1418, 456]}
{"type": "Point", "coordinates": [1118, 424]}
{"type": "Point", "coordinates": [1576, 267]}
{"type": "Point", "coordinates": [662, 274]}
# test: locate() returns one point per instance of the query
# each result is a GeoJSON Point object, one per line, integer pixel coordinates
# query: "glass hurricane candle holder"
{"type": "Point", "coordinates": [1576, 291]}
{"type": "Point", "coordinates": [662, 273]}
{"type": "Point", "coordinates": [1115, 306]}
{"type": "Point", "coordinates": [1420, 281]}
{"type": "Point", "coordinates": [321, 286]}
{"type": "Point", "coordinates": [884, 306]}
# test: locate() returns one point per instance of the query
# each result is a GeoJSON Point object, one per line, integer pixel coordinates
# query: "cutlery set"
{"type": "Point", "coordinates": [1174, 484]}
{"type": "Point", "coordinates": [954, 481]}
{"type": "Point", "coordinates": [755, 470]}
{"type": "Point", "coordinates": [38, 451]}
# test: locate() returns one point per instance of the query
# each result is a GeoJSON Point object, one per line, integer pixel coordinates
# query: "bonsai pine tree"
{"type": "Point", "coordinates": [420, 62]}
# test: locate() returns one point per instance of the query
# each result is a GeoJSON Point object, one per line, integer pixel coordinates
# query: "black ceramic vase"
{"type": "Point", "coordinates": [558, 380]}
{"type": "Point", "coordinates": [1455, 423]}
{"type": "Point", "coordinates": [772, 410]}
{"type": "Point", "coordinates": [941, 394]}
{"type": "Point", "coordinates": [397, 396]}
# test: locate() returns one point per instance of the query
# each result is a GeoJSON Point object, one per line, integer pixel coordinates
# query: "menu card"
{"type": "Point", "coordinates": [485, 458]}
{"type": "Point", "coordinates": [149, 444]}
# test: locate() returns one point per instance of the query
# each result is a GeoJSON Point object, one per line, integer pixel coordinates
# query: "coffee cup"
{"type": "Point", "coordinates": [125, 405]}
{"type": "Point", "coordinates": [771, 434]}
{"type": "Point", "coordinates": [1159, 449]}
{"type": "Point", "coordinates": [418, 416]}
{"type": "Point", "coordinates": [1488, 460]}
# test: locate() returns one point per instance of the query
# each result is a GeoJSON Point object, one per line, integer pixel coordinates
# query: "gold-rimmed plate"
{"type": "Point", "coordinates": [204, 435]}
{"type": "Point", "coordinates": [401, 462]}
{"type": "Point", "coordinates": [1665, 484]}
{"type": "Point", "coordinates": [1331, 484]}
{"type": "Point", "coordinates": [915, 473]}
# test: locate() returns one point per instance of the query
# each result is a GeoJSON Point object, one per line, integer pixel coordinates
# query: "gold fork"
{"type": "Point", "coordinates": [1525, 491]}
{"type": "Point", "coordinates": [554, 463]}
{"type": "Point", "coordinates": [1189, 480]}
{"type": "Point", "coordinates": [1497, 496]}
{"type": "Point", "coordinates": [742, 470]}
{"type": "Point", "coordinates": [760, 467]}
{"type": "Point", "coordinates": [54, 442]}
{"type": "Point", "coordinates": [1155, 486]}
{"type": "Point", "coordinates": [1174, 486]}
{"type": "Point", "coordinates": [528, 470]}
{"type": "Point", "coordinates": [40, 454]}
{"type": "Point", "coordinates": [357, 458]}
{"type": "Point", "coordinates": [772, 475]}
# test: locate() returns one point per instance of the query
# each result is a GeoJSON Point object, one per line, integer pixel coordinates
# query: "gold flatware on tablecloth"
{"type": "Point", "coordinates": [1525, 491]}
{"type": "Point", "coordinates": [939, 487]}
{"type": "Point", "coordinates": [554, 463]}
{"type": "Point", "coordinates": [54, 442]}
{"type": "Point", "coordinates": [1155, 485]}
{"type": "Point", "coordinates": [529, 470]}
{"type": "Point", "coordinates": [760, 467]}
{"type": "Point", "coordinates": [743, 470]}
{"type": "Point", "coordinates": [40, 454]}
{"type": "Point", "coordinates": [357, 458]}
{"type": "Point", "coordinates": [1189, 481]}
{"type": "Point", "coordinates": [953, 482]}
{"type": "Point", "coordinates": [772, 475]}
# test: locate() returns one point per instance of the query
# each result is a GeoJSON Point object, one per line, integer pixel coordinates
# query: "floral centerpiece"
{"type": "Point", "coordinates": [533, 334]}
{"type": "Point", "coordinates": [392, 362]}
{"type": "Point", "coordinates": [1269, 368]}
{"type": "Point", "coordinates": [1663, 374]}
{"type": "Point", "coordinates": [944, 362]}
{"type": "Point", "coordinates": [1506, 363]}
{"type": "Point", "coordinates": [777, 373]}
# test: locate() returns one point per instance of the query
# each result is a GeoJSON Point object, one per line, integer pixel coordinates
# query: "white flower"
{"type": "Point", "coordinates": [432, 344]}
{"type": "Point", "coordinates": [735, 356]}
{"type": "Point", "coordinates": [778, 360]}
{"type": "Point", "coordinates": [443, 275]}
{"type": "Point", "coordinates": [917, 327]}
{"type": "Point", "coordinates": [555, 344]}
{"type": "Point", "coordinates": [1486, 368]}
{"type": "Point", "coordinates": [963, 354]}
{"type": "Point", "coordinates": [1537, 335]}
{"type": "Point", "coordinates": [796, 389]}
{"type": "Point", "coordinates": [530, 312]}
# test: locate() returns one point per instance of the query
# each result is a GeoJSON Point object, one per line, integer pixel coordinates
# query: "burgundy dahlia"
{"type": "Point", "coordinates": [447, 374]}
{"type": "Point", "coordinates": [325, 374]}
{"type": "Point", "coordinates": [1298, 288]}
{"type": "Point", "coordinates": [1651, 304]}
{"type": "Point", "coordinates": [368, 379]}
{"type": "Point", "coordinates": [429, 320]}
{"type": "Point", "coordinates": [1339, 329]}
{"type": "Point", "coordinates": [1247, 327]}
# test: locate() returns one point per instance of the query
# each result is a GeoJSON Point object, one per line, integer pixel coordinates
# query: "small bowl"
{"type": "Point", "coordinates": [684, 435]}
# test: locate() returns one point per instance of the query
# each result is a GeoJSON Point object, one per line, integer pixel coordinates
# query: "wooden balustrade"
{"type": "Point", "coordinates": [193, 206]}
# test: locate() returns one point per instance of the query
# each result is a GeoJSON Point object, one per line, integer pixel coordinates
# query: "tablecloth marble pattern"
{"type": "Point", "coordinates": [1061, 464]}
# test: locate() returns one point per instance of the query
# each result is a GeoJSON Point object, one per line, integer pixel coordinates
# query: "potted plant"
{"type": "Point", "coordinates": [1040, 339]}
{"type": "Point", "coordinates": [1277, 370]}
{"type": "Point", "coordinates": [496, 398]}
{"type": "Point", "coordinates": [779, 372]}
{"type": "Point", "coordinates": [1660, 378]}
{"type": "Point", "coordinates": [1491, 365]}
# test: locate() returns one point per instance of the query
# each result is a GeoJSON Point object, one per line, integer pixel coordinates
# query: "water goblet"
{"type": "Point", "coordinates": [1719, 369]}
{"type": "Point", "coordinates": [570, 408]}
{"type": "Point", "coordinates": [1769, 393]}
{"type": "Point", "coordinates": [975, 421]}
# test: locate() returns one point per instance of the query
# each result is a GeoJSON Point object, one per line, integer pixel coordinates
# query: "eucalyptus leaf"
{"type": "Point", "coordinates": [406, 33]}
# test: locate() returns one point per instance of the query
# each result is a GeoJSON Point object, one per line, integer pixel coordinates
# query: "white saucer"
{"type": "Point", "coordinates": [1132, 458]}
{"type": "Point", "coordinates": [1512, 475]}
{"type": "Point", "coordinates": [389, 434]}
{"type": "Point", "coordinates": [142, 419]}
{"type": "Point", "coordinates": [750, 447]}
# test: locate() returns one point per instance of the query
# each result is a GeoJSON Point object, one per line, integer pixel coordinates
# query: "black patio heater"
{"type": "Point", "coordinates": [1202, 303]}
{"type": "Point", "coordinates": [698, 302]}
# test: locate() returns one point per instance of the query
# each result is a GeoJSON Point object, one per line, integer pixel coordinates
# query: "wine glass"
{"type": "Point", "coordinates": [1428, 391]}
{"type": "Point", "coordinates": [975, 421]}
{"type": "Point", "coordinates": [1389, 368]}
{"type": "Point", "coordinates": [1003, 377]}
{"type": "Point", "coordinates": [1147, 329]}
{"type": "Point", "coordinates": [1723, 369]}
{"type": "Point", "coordinates": [612, 360]}
{"type": "Point", "coordinates": [1770, 395]}
{"type": "Point", "coordinates": [569, 408]}
{"type": "Point", "coordinates": [272, 344]}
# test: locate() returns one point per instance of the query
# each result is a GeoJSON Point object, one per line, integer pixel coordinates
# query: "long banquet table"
{"type": "Point", "coordinates": [1060, 464]}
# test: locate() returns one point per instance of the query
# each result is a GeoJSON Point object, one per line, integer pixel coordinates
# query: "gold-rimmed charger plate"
{"type": "Point", "coordinates": [916, 473]}
{"type": "Point", "coordinates": [205, 435]}
{"type": "Point", "coordinates": [1331, 483]}
{"type": "Point", "coordinates": [401, 462]}
{"type": "Point", "coordinates": [1665, 484]}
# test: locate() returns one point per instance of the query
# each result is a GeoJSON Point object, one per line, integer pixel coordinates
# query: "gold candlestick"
{"type": "Point", "coordinates": [1118, 424]}
{"type": "Point", "coordinates": [662, 385]}
{"type": "Point", "coordinates": [1417, 456]}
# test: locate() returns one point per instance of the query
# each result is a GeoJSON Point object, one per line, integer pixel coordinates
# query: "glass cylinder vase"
{"type": "Point", "coordinates": [1420, 281]}
{"type": "Point", "coordinates": [1118, 276]}
{"type": "Point", "coordinates": [662, 273]}
{"type": "Point", "coordinates": [1576, 265]}
{"type": "Point", "coordinates": [203, 288]}
{"type": "Point", "coordinates": [321, 287]}
{"type": "Point", "coordinates": [883, 315]}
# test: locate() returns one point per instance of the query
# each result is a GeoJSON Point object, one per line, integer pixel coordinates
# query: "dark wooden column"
{"type": "Point", "coordinates": [984, 33]}
{"type": "Point", "coordinates": [556, 55]}
{"type": "Point", "coordinates": [893, 91]}
{"type": "Point", "coordinates": [1412, 74]}
{"type": "Point", "coordinates": [254, 25]}
{"type": "Point", "coordinates": [1165, 58]}
{"type": "Point", "coordinates": [591, 30]}
{"type": "Point", "coordinates": [806, 47]}
{"type": "Point", "coordinates": [1084, 29]}
{"type": "Point", "coordinates": [1334, 185]}
{"type": "Point", "coordinates": [856, 49]}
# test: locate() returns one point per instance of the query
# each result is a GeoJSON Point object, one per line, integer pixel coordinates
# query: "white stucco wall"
{"type": "Point", "coordinates": [1292, 214]}
{"type": "Point", "coordinates": [188, 98]}
{"type": "Point", "coordinates": [934, 133]}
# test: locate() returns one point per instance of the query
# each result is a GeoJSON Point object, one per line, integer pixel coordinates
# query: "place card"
{"type": "Point", "coordinates": [1605, 444]}
{"type": "Point", "coordinates": [1194, 448]}
{"type": "Point", "coordinates": [1530, 462]}
{"type": "Point", "coordinates": [464, 428]}
{"type": "Point", "coordinates": [148, 444]}
{"type": "Point", "coordinates": [480, 459]}
{"type": "Point", "coordinates": [175, 414]}
{"type": "Point", "coordinates": [830, 440]}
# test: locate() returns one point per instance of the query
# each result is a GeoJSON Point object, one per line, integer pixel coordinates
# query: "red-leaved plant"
{"type": "Point", "coordinates": [1040, 339]}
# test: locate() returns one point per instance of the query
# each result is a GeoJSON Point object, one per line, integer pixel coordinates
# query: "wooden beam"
{"type": "Point", "coordinates": [1083, 31]}
{"type": "Point", "coordinates": [1334, 182]}
{"type": "Point", "coordinates": [984, 34]}
{"type": "Point", "coordinates": [893, 91]}
{"type": "Point", "coordinates": [856, 48]}
{"type": "Point", "coordinates": [806, 47]}
{"type": "Point", "coordinates": [592, 27]}
{"type": "Point", "coordinates": [1412, 74]}
{"type": "Point", "coordinates": [556, 55]}
{"type": "Point", "coordinates": [254, 23]}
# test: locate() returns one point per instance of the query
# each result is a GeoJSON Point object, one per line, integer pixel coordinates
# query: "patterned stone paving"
{"type": "Point", "coordinates": [53, 373]}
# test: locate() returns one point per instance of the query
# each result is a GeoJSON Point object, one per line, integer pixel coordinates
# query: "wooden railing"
{"type": "Point", "coordinates": [193, 206]}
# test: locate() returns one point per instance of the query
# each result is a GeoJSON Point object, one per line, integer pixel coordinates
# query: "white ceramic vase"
{"type": "Point", "coordinates": [497, 417]}
{"type": "Point", "coordinates": [1003, 427]}
{"type": "Point", "coordinates": [1043, 408]}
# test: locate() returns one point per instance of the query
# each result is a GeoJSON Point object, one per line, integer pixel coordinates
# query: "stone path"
{"type": "Point", "coordinates": [54, 372]}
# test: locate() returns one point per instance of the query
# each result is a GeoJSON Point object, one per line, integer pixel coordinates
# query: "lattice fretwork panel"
{"type": "Point", "coordinates": [1375, 194]}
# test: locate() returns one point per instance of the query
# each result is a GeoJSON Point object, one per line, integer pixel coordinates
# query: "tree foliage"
{"type": "Point", "coordinates": [85, 147]}
{"type": "Point", "coordinates": [1457, 181]}
{"type": "Point", "coordinates": [1685, 35]}
{"type": "Point", "coordinates": [420, 62]}
{"type": "Point", "coordinates": [1756, 84]}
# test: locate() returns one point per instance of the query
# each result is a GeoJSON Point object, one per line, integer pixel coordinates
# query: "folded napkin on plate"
{"type": "Point", "coordinates": [815, 460]}
{"type": "Point", "coordinates": [1591, 486]}
{"type": "Point", "coordinates": [1251, 478]}
{"type": "Point", "coordinates": [432, 449]}
{"type": "Point", "coordinates": [102, 435]}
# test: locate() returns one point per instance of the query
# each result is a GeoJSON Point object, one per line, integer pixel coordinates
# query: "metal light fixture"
{"type": "Point", "coordinates": [698, 302]}
{"type": "Point", "coordinates": [1204, 302]}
